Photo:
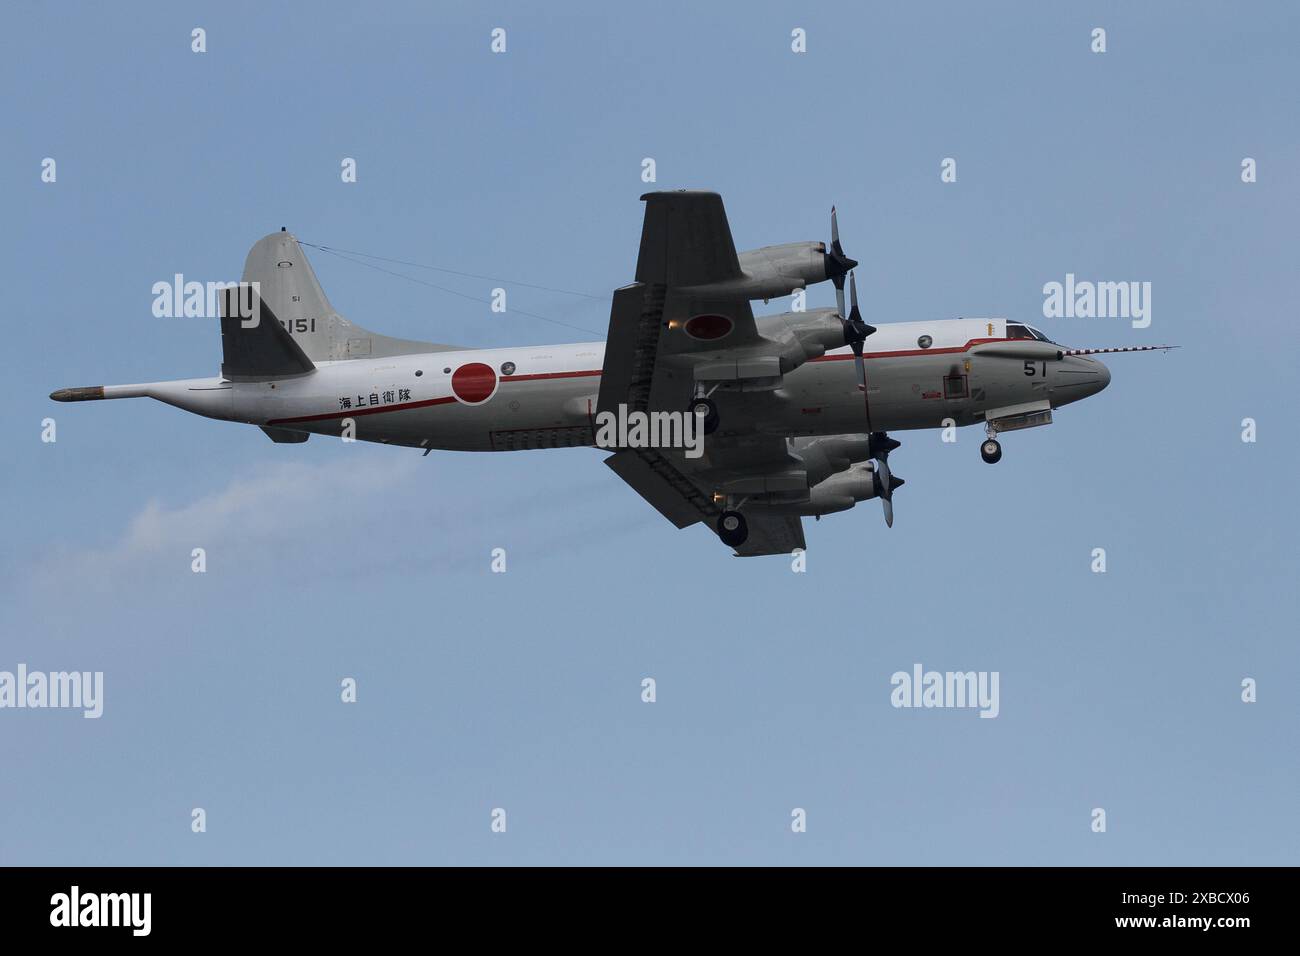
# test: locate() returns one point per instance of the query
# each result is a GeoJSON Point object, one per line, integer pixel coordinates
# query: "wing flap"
{"type": "Point", "coordinates": [632, 347]}
{"type": "Point", "coordinates": [669, 492]}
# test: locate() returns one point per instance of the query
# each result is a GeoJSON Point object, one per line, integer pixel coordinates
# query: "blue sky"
{"type": "Point", "coordinates": [522, 690]}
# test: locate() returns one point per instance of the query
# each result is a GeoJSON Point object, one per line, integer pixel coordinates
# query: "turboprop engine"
{"type": "Point", "coordinates": [799, 336]}
{"type": "Point", "coordinates": [779, 270]}
{"type": "Point", "coordinates": [802, 335]}
{"type": "Point", "coordinates": [839, 492]}
{"type": "Point", "coordinates": [827, 455]}
{"type": "Point", "coordinates": [774, 271]}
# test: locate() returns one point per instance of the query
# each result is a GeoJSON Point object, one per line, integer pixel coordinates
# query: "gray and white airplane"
{"type": "Point", "coordinates": [796, 409]}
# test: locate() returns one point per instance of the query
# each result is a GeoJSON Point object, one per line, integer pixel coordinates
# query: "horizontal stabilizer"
{"type": "Point", "coordinates": [254, 345]}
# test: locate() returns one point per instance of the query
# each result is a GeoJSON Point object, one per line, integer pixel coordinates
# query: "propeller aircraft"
{"type": "Point", "coordinates": [797, 409]}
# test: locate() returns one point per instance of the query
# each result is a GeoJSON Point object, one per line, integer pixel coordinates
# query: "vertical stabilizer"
{"type": "Point", "coordinates": [288, 285]}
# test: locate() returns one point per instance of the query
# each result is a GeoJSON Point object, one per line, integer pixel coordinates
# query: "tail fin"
{"type": "Point", "coordinates": [288, 285]}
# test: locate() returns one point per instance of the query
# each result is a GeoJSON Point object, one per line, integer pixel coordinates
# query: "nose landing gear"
{"type": "Point", "coordinates": [991, 449]}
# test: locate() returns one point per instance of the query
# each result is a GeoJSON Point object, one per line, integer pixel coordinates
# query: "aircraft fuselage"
{"type": "Point", "coordinates": [920, 375]}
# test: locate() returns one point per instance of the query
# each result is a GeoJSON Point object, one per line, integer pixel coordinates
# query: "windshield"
{"type": "Point", "coordinates": [1017, 331]}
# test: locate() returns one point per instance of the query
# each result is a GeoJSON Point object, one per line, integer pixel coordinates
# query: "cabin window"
{"type": "Point", "coordinates": [925, 341]}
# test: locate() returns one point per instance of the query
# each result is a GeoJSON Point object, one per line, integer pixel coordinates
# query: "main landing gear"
{"type": "Point", "coordinates": [991, 450]}
{"type": "Point", "coordinates": [701, 404]}
{"type": "Point", "coordinates": [732, 528]}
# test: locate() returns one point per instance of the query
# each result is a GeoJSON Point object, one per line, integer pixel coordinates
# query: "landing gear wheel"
{"type": "Point", "coordinates": [704, 406]}
{"type": "Point", "coordinates": [991, 451]}
{"type": "Point", "coordinates": [732, 529]}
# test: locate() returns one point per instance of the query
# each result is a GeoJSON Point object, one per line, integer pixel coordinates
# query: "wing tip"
{"type": "Point", "coordinates": [663, 194]}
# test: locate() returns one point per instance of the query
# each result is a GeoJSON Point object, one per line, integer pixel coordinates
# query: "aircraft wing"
{"type": "Point", "coordinates": [677, 323]}
{"type": "Point", "coordinates": [687, 258]}
{"type": "Point", "coordinates": [682, 491]}
{"type": "Point", "coordinates": [772, 534]}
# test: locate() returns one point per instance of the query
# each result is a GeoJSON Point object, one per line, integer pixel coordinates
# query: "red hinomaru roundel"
{"type": "Point", "coordinates": [708, 326]}
{"type": "Point", "coordinates": [473, 383]}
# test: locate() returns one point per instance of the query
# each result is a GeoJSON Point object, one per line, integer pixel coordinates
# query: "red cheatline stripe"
{"type": "Point", "coordinates": [963, 348]}
{"type": "Point", "coordinates": [356, 412]}
{"type": "Point", "coordinates": [542, 375]}
{"type": "Point", "coordinates": [353, 413]}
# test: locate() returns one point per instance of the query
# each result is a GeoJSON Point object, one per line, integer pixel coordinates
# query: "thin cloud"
{"type": "Point", "coordinates": [265, 506]}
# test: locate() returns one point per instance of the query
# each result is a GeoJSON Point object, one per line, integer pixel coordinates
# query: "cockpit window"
{"type": "Point", "coordinates": [1017, 331]}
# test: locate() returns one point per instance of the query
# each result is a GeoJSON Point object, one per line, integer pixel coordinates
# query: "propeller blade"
{"type": "Point", "coordinates": [855, 333]}
{"type": "Point", "coordinates": [885, 481]}
{"type": "Point", "coordinates": [837, 264]}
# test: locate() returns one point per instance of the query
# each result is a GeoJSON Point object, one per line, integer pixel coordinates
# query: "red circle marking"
{"type": "Point", "coordinates": [708, 326]}
{"type": "Point", "coordinates": [474, 383]}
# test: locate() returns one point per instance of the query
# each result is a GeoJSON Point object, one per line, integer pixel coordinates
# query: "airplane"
{"type": "Point", "coordinates": [795, 409]}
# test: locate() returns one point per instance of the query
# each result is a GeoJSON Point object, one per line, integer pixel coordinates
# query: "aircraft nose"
{"type": "Point", "coordinates": [1101, 377]}
{"type": "Point", "coordinates": [1078, 377]}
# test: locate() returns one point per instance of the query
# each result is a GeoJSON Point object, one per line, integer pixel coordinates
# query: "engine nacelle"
{"type": "Point", "coordinates": [828, 455]}
{"type": "Point", "coordinates": [769, 272]}
{"type": "Point", "coordinates": [779, 270]}
{"type": "Point", "coordinates": [837, 493]}
{"type": "Point", "coordinates": [802, 335]}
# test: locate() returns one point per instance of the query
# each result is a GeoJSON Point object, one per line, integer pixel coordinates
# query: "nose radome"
{"type": "Point", "coordinates": [1103, 375]}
